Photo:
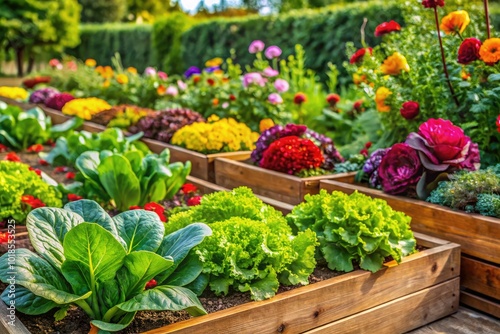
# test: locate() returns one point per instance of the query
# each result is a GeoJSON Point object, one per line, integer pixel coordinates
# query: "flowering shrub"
{"type": "Point", "coordinates": [42, 95]}
{"type": "Point", "coordinates": [218, 135]}
{"type": "Point", "coordinates": [85, 108]}
{"type": "Point", "coordinates": [14, 93]}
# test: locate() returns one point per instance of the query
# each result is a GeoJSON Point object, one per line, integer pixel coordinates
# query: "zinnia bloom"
{"type": "Point", "coordinates": [386, 28]}
{"type": "Point", "coordinates": [455, 22]}
{"type": "Point", "coordinates": [90, 62]}
{"type": "Point", "coordinates": [357, 57]}
{"type": "Point", "coordinates": [498, 123]}
{"type": "Point", "coordinates": [74, 197]}
{"type": "Point", "coordinates": [55, 63]}
{"type": "Point", "coordinates": [193, 201]}
{"type": "Point", "coordinates": [332, 99]}
{"type": "Point", "coordinates": [433, 3]}
{"type": "Point", "coordinates": [161, 90]}
{"type": "Point", "coordinates": [253, 78]}
{"type": "Point", "coordinates": [172, 91]}
{"type": "Point", "coordinates": [35, 148]}
{"type": "Point", "coordinates": [270, 72]}
{"type": "Point", "coordinates": [189, 188]}
{"type": "Point", "coordinates": [214, 62]}
{"type": "Point", "coordinates": [12, 156]}
{"type": "Point", "coordinates": [273, 52]}
{"type": "Point", "coordinates": [299, 98]}
{"type": "Point", "coordinates": [122, 79]}
{"type": "Point", "coordinates": [281, 85]}
{"type": "Point", "coordinates": [149, 71]}
{"type": "Point", "coordinates": [132, 70]}
{"type": "Point", "coordinates": [32, 201]}
{"type": "Point", "coordinates": [157, 208]}
{"type": "Point", "coordinates": [381, 95]}
{"type": "Point", "coordinates": [410, 109]}
{"type": "Point", "coordinates": [275, 98]}
{"type": "Point", "coordinates": [162, 75]}
{"type": "Point", "coordinates": [490, 51]}
{"type": "Point", "coordinates": [469, 50]}
{"type": "Point", "coordinates": [70, 176]}
{"type": "Point", "coordinates": [256, 46]}
{"type": "Point", "coordinates": [265, 124]}
{"type": "Point", "coordinates": [395, 64]}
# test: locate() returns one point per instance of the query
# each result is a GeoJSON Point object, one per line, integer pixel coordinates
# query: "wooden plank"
{"type": "Point", "coordinates": [479, 303]}
{"type": "Point", "coordinates": [20, 104]}
{"type": "Point", "coordinates": [315, 305]}
{"type": "Point", "coordinates": [478, 235]}
{"type": "Point", "coordinates": [481, 277]}
{"type": "Point", "coordinates": [5, 327]}
{"type": "Point", "coordinates": [400, 315]}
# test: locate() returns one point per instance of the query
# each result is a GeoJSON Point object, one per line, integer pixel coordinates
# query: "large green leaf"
{"type": "Point", "coordinates": [165, 297]}
{"type": "Point", "coordinates": [9, 140]}
{"type": "Point", "coordinates": [47, 229]}
{"type": "Point", "coordinates": [120, 182]}
{"type": "Point", "coordinates": [178, 244]}
{"type": "Point", "coordinates": [27, 302]}
{"type": "Point", "coordinates": [87, 164]}
{"type": "Point", "coordinates": [138, 269]}
{"type": "Point", "coordinates": [186, 272]}
{"type": "Point", "coordinates": [63, 128]}
{"type": "Point", "coordinates": [113, 327]}
{"type": "Point", "coordinates": [140, 229]}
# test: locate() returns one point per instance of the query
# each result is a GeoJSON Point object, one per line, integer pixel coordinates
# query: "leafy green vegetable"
{"type": "Point", "coordinates": [354, 227]}
{"type": "Point", "coordinates": [16, 180]}
{"type": "Point", "coordinates": [102, 264]}
{"type": "Point", "coordinates": [19, 129]}
{"type": "Point", "coordinates": [131, 178]}
{"type": "Point", "coordinates": [69, 148]}
{"type": "Point", "coordinates": [252, 247]}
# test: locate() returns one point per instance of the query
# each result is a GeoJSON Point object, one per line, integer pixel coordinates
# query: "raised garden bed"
{"type": "Point", "coordinates": [478, 236]}
{"type": "Point", "coordinates": [398, 298]}
{"type": "Point", "coordinates": [275, 185]}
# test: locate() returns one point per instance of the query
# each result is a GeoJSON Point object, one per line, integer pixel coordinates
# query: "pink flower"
{"type": "Point", "coordinates": [71, 65]}
{"type": "Point", "coordinates": [182, 85]}
{"type": "Point", "coordinates": [162, 75]}
{"type": "Point", "coordinates": [150, 72]}
{"type": "Point", "coordinates": [270, 72]}
{"type": "Point", "coordinates": [256, 46]}
{"type": "Point", "coordinates": [275, 98]}
{"type": "Point", "coordinates": [253, 78]}
{"type": "Point", "coordinates": [55, 63]}
{"type": "Point", "coordinates": [225, 105]}
{"type": "Point", "coordinates": [281, 85]}
{"type": "Point", "coordinates": [172, 91]}
{"type": "Point", "coordinates": [273, 52]}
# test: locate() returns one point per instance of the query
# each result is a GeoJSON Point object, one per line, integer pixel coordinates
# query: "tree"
{"type": "Point", "coordinates": [103, 10]}
{"type": "Point", "coordinates": [153, 7]}
{"type": "Point", "coordinates": [30, 25]}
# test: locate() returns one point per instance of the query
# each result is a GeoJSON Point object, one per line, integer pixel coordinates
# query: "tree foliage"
{"type": "Point", "coordinates": [103, 10]}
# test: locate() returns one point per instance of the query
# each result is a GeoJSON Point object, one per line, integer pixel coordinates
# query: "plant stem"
{"type": "Point", "coordinates": [445, 68]}
{"type": "Point", "coordinates": [363, 26]}
{"type": "Point", "coordinates": [86, 308]}
{"type": "Point", "coordinates": [487, 14]}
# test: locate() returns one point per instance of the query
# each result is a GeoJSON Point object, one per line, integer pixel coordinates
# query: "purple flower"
{"type": "Point", "coordinates": [172, 91]}
{"type": "Point", "coordinates": [253, 78]}
{"type": "Point", "coordinates": [270, 72]}
{"type": "Point", "coordinates": [256, 46]}
{"type": "Point", "coordinates": [191, 71]}
{"type": "Point", "coordinates": [42, 95]}
{"type": "Point", "coordinates": [273, 52]}
{"type": "Point", "coordinates": [371, 166]}
{"type": "Point", "coordinates": [212, 69]}
{"type": "Point", "coordinates": [150, 72]}
{"type": "Point", "coordinates": [281, 85]}
{"type": "Point", "coordinates": [162, 75]}
{"type": "Point", "coordinates": [275, 98]}
{"type": "Point", "coordinates": [400, 169]}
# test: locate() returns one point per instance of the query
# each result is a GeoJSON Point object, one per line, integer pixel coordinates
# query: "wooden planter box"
{"type": "Point", "coordinates": [398, 298]}
{"type": "Point", "coordinates": [279, 186]}
{"type": "Point", "coordinates": [479, 237]}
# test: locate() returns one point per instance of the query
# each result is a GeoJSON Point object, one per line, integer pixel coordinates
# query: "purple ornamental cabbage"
{"type": "Point", "coordinates": [371, 166]}
{"type": "Point", "coordinates": [41, 95]}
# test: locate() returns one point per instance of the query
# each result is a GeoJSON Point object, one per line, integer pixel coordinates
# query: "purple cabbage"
{"type": "Point", "coordinates": [42, 95]}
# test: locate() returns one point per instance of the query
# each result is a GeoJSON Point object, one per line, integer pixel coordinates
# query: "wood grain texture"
{"type": "Point", "coordinates": [400, 315]}
{"type": "Point", "coordinates": [481, 304]}
{"type": "Point", "coordinates": [315, 305]}
{"type": "Point", "coordinates": [5, 327]}
{"type": "Point", "coordinates": [481, 277]}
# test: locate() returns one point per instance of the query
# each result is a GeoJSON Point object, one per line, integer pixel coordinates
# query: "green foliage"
{"type": "Point", "coordinates": [252, 248]}
{"type": "Point", "coordinates": [16, 180]}
{"type": "Point", "coordinates": [470, 191]}
{"type": "Point", "coordinates": [20, 129]}
{"type": "Point", "coordinates": [69, 148]}
{"type": "Point", "coordinates": [102, 10]}
{"type": "Point", "coordinates": [102, 264]}
{"type": "Point", "coordinates": [102, 41]}
{"type": "Point", "coordinates": [130, 179]}
{"type": "Point", "coordinates": [354, 228]}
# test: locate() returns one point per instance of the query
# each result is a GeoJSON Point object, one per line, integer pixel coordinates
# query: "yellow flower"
{"type": "Point", "coordinates": [122, 79]}
{"type": "Point", "coordinates": [213, 118]}
{"type": "Point", "coordinates": [106, 72]}
{"type": "Point", "coordinates": [132, 70]}
{"type": "Point", "coordinates": [455, 22]}
{"type": "Point", "coordinates": [213, 62]}
{"type": "Point", "coordinates": [90, 62]}
{"type": "Point", "coordinates": [106, 83]}
{"type": "Point", "coordinates": [394, 64]}
{"type": "Point", "coordinates": [490, 51]}
{"type": "Point", "coordinates": [380, 96]}
{"type": "Point", "coordinates": [85, 108]}
{"type": "Point", "coordinates": [14, 93]}
{"type": "Point", "coordinates": [218, 73]}
{"type": "Point", "coordinates": [265, 124]}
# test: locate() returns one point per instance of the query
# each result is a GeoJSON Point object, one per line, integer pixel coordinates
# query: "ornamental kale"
{"type": "Point", "coordinates": [354, 228]}
{"type": "Point", "coordinates": [103, 264]}
{"type": "Point", "coordinates": [252, 248]}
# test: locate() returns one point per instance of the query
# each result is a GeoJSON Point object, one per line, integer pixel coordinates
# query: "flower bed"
{"type": "Point", "coordinates": [478, 236]}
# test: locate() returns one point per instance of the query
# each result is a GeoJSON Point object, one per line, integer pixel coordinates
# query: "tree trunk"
{"type": "Point", "coordinates": [19, 58]}
{"type": "Point", "coordinates": [31, 62]}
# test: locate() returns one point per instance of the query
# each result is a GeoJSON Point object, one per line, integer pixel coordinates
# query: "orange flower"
{"type": "Point", "coordinates": [132, 70]}
{"type": "Point", "coordinates": [380, 96]}
{"type": "Point", "coordinates": [122, 79]}
{"type": "Point", "coordinates": [99, 69]}
{"type": "Point", "coordinates": [161, 90]}
{"type": "Point", "coordinates": [490, 51]}
{"type": "Point", "coordinates": [90, 62]}
{"type": "Point", "coordinates": [196, 78]}
{"type": "Point", "coordinates": [394, 64]}
{"type": "Point", "coordinates": [215, 101]}
{"type": "Point", "coordinates": [358, 78]}
{"type": "Point", "coordinates": [464, 75]}
{"type": "Point", "coordinates": [107, 72]}
{"type": "Point", "coordinates": [106, 84]}
{"type": "Point", "coordinates": [265, 124]}
{"type": "Point", "coordinates": [455, 22]}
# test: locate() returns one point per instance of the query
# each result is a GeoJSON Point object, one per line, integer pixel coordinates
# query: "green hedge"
{"type": "Point", "coordinates": [102, 41]}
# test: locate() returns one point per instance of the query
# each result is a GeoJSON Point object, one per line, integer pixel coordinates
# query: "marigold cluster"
{"type": "Point", "coordinates": [85, 108]}
{"type": "Point", "coordinates": [14, 93]}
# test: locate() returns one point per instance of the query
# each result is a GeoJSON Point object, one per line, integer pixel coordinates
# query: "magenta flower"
{"type": "Point", "coordinates": [256, 46]}
{"type": "Point", "coordinates": [162, 75]}
{"type": "Point", "coordinates": [469, 50]}
{"type": "Point", "coordinates": [150, 72]}
{"type": "Point", "coordinates": [281, 85]}
{"type": "Point", "coordinates": [253, 78]}
{"type": "Point", "coordinates": [275, 98]}
{"type": "Point", "coordinates": [270, 72]}
{"type": "Point", "coordinates": [273, 52]}
{"type": "Point", "coordinates": [172, 91]}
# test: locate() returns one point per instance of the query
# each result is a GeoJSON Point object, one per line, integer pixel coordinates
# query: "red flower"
{"type": "Point", "coordinates": [232, 97]}
{"type": "Point", "coordinates": [210, 81]}
{"type": "Point", "coordinates": [498, 123]}
{"type": "Point", "coordinates": [291, 155]}
{"type": "Point", "coordinates": [386, 28]}
{"type": "Point", "coordinates": [151, 284]}
{"type": "Point", "coordinates": [368, 144]}
{"type": "Point", "coordinates": [35, 148]}
{"type": "Point", "coordinates": [155, 207]}
{"type": "Point", "coordinates": [196, 79]}
{"type": "Point", "coordinates": [74, 197]}
{"type": "Point", "coordinates": [299, 98]}
{"type": "Point", "coordinates": [432, 3]}
{"type": "Point", "coordinates": [358, 56]}
{"type": "Point", "coordinates": [469, 50]}
{"type": "Point", "coordinates": [3, 148]}
{"type": "Point", "coordinates": [43, 162]}
{"type": "Point", "coordinates": [4, 237]}
{"type": "Point", "coordinates": [36, 170]}
{"type": "Point", "coordinates": [70, 176]}
{"type": "Point", "coordinates": [30, 83]}
{"type": "Point", "coordinates": [358, 105]}
{"type": "Point", "coordinates": [193, 201]}
{"type": "Point", "coordinates": [50, 142]}
{"type": "Point", "coordinates": [32, 201]}
{"type": "Point", "coordinates": [410, 109]}
{"type": "Point", "coordinates": [364, 152]}
{"type": "Point", "coordinates": [61, 169]}
{"type": "Point", "coordinates": [332, 99]}
{"type": "Point", "coordinates": [189, 188]}
{"type": "Point", "coordinates": [135, 207]}
{"type": "Point", "coordinates": [12, 157]}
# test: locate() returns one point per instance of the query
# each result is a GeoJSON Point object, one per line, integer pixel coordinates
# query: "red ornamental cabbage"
{"type": "Point", "coordinates": [58, 101]}
{"type": "Point", "coordinates": [400, 169]}
{"type": "Point", "coordinates": [442, 145]}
